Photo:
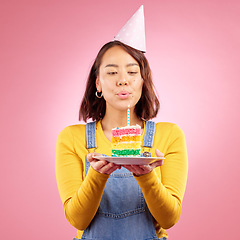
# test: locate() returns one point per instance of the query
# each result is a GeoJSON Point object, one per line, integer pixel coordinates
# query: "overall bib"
{"type": "Point", "coordinates": [123, 213]}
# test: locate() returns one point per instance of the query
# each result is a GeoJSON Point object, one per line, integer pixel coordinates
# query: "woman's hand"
{"type": "Point", "coordinates": [139, 170]}
{"type": "Point", "coordinates": [101, 166]}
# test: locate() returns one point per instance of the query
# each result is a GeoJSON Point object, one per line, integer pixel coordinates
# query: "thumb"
{"type": "Point", "coordinates": [158, 153]}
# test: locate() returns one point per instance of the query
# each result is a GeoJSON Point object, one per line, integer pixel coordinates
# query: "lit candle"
{"type": "Point", "coordinates": [128, 116]}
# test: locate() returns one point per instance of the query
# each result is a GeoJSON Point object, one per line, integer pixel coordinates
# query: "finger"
{"type": "Point", "coordinates": [108, 168]}
{"type": "Point", "coordinates": [89, 157]}
{"type": "Point", "coordinates": [158, 153]}
{"type": "Point", "coordinates": [96, 154]}
{"type": "Point", "coordinates": [112, 169]}
{"type": "Point", "coordinates": [99, 164]}
{"type": "Point", "coordinates": [156, 164]}
{"type": "Point", "coordinates": [136, 169]}
{"type": "Point", "coordinates": [93, 157]}
{"type": "Point", "coordinates": [145, 168]}
{"type": "Point", "coordinates": [128, 167]}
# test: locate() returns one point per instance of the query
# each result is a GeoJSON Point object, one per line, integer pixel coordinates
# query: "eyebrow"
{"type": "Point", "coordinates": [128, 65]}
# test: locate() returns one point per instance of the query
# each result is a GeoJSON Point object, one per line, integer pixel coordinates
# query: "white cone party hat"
{"type": "Point", "coordinates": [133, 32]}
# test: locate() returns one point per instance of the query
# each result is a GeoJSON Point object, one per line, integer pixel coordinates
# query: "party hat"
{"type": "Point", "coordinates": [133, 32]}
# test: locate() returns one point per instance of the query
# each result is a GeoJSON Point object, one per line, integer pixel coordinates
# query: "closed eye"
{"type": "Point", "coordinates": [112, 73]}
{"type": "Point", "coordinates": [132, 73]}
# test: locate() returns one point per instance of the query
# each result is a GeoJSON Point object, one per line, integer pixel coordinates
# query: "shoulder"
{"type": "Point", "coordinates": [168, 128]}
{"type": "Point", "coordinates": [72, 131]}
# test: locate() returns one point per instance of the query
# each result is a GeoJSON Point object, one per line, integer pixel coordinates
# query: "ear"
{"type": "Point", "coordinates": [98, 84]}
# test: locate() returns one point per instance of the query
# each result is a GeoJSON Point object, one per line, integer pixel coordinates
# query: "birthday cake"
{"type": "Point", "coordinates": [126, 141]}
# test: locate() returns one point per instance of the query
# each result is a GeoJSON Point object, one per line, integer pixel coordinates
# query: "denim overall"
{"type": "Point", "coordinates": [123, 213]}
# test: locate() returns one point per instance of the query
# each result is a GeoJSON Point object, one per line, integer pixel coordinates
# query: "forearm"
{"type": "Point", "coordinates": [164, 207]}
{"type": "Point", "coordinates": [82, 207]}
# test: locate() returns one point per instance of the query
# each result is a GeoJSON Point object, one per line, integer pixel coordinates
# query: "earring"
{"type": "Point", "coordinates": [98, 96]}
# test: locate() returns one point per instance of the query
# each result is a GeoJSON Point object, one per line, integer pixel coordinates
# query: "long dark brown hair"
{"type": "Point", "coordinates": [95, 108]}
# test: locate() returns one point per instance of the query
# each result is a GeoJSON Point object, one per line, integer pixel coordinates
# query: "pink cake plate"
{"type": "Point", "coordinates": [130, 160]}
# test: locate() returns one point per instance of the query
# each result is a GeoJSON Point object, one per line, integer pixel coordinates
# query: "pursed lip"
{"type": "Point", "coordinates": [123, 94]}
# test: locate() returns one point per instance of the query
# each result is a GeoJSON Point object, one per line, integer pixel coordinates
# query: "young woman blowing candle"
{"type": "Point", "coordinates": [103, 200]}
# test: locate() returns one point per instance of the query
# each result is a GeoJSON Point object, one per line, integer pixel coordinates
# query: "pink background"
{"type": "Point", "coordinates": [46, 50]}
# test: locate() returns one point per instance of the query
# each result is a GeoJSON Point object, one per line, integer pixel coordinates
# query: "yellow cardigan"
{"type": "Point", "coordinates": [163, 188]}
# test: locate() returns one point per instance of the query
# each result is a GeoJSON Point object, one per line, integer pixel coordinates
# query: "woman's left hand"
{"type": "Point", "coordinates": [139, 170]}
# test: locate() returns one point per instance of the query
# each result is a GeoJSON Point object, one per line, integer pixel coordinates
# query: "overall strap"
{"type": "Point", "coordinates": [149, 134]}
{"type": "Point", "coordinates": [91, 135]}
{"type": "Point", "coordinates": [147, 142]}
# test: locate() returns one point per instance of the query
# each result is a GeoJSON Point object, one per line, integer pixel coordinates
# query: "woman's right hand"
{"type": "Point", "coordinates": [101, 166]}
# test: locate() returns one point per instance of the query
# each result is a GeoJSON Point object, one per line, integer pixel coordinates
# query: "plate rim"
{"type": "Point", "coordinates": [132, 160]}
{"type": "Point", "coordinates": [110, 157]}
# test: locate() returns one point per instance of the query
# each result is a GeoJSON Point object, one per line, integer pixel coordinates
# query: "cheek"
{"type": "Point", "coordinates": [137, 80]}
{"type": "Point", "coordinates": [103, 81]}
{"type": "Point", "coordinates": [107, 85]}
{"type": "Point", "coordinates": [138, 84]}
{"type": "Point", "coordinates": [138, 90]}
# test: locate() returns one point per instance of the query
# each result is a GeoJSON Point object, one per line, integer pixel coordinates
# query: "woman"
{"type": "Point", "coordinates": [104, 200]}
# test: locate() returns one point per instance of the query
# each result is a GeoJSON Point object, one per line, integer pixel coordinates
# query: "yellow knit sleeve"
{"type": "Point", "coordinates": [164, 187]}
{"type": "Point", "coordinates": [80, 196]}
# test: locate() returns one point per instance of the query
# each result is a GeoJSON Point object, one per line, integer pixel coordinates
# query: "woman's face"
{"type": "Point", "coordinates": [119, 79]}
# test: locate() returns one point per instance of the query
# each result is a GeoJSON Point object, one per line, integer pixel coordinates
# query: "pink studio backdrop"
{"type": "Point", "coordinates": [47, 48]}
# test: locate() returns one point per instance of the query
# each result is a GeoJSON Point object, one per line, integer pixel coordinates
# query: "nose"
{"type": "Point", "coordinates": [122, 81]}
